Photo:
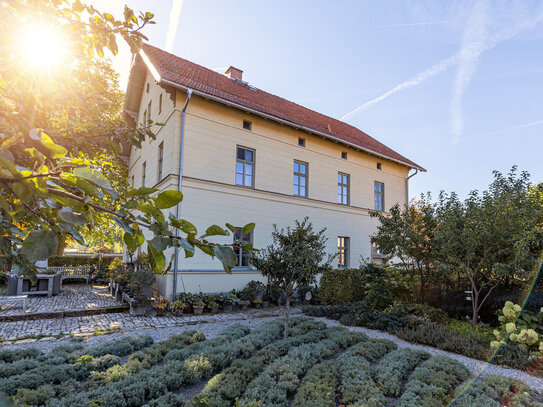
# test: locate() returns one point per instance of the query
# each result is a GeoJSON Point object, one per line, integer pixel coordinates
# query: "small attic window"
{"type": "Point", "coordinates": [147, 88]}
{"type": "Point", "coordinates": [301, 142]}
{"type": "Point", "coordinates": [344, 155]}
{"type": "Point", "coordinates": [247, 125]}
{"type": "Point", "coordinates": [379, 167]}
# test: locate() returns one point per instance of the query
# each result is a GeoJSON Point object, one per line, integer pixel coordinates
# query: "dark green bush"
{"type": "Point", "coordinates": [61, 261]}
{"type": "Point", "coordinates": [10, 356]}
{"type": "Point", "coordinates": [318, 388]}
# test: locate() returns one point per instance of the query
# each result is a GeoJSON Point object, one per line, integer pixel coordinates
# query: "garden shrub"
{"type": "Point", "coordinates": [357, 388]}
{"type": "Point", "coordinates": [318, 388]}
{"type": "Point", "coordinates": [395, 367]}
{"type": "Point", "coordinates": [495, 391]}
{"type": "Point", "coordinates": [373, 349]}
{"type": "Point", "coordinates": [432, 383]}
{"type": "Point", "coordinates": [280, 379]}
{"type": "Point", "coordinates": [10, 356]}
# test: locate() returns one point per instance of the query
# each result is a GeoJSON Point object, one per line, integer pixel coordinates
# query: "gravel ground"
{"type": "Point", "coordinates": [476, 367]}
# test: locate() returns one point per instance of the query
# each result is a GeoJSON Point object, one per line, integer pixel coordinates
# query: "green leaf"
{"type": "Point", "coordinates": [157, 260]}
{"type": "Point", "coordinates": [151, 210]}
{"type": "Point", "coordinates": [93, 176]}
{"type": "Point", "coordinates": [183, 224]}
{"type": "Point", "coordinates": [123, 224]}
{"type": "Point", "coordinates": [67, 215]}
{"type": "Point", "coordinates": [55, 150]}
{"type": "Point", "coordinates": [142, 191]}
{"type": "Point", "coordinates": [248, 228]}
{"type": "Point", "coordinates": [160, 243]}
{"type": "Point", "coordinates": [231, 227]}
{"type": "Point", "coordinates": [227, 257]}
{"type": "Point", "coordinates": [39, 245]}
{"type": "Point", "coordinates": [189, 249]}
{"type": "Point", "coordinates": [215, 230]}
{"type": "Point", "coordinates": [167, 199]}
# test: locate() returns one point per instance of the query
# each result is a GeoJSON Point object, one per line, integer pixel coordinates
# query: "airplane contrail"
{"type": "Point", "coordinates": [175, 14]}
{"type": "Point", "coordinates": [446, 63]}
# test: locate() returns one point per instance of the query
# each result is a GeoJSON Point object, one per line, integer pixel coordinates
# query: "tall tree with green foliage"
{"type": "Point", "coordinates": [407, 235]}
{"type": "Point", "coordinates": [295, 258]}
{"type": "Point", "coordinates": [491, 236]}
{"type": "Point", "coordinates": [52, 123]}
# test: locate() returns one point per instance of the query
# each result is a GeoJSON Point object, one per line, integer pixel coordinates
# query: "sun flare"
{"type": "Point", "coordinates": [43, 47]}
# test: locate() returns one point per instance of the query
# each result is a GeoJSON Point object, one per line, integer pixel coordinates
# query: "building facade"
{"type": "Point", "coordinates": [242, 155]}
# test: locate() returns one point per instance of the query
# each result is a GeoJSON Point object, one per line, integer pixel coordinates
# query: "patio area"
{"type": "Point", "coordinates": [71, 297]}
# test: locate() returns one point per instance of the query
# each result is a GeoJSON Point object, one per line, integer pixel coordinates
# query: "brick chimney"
{"type": "Point", "coordinates": [234, 73]}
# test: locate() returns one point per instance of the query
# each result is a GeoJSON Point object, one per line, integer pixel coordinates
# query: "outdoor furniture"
{"type": "Point", "coordinates": [73, 272]}
{"type": "Point", "coordinates": [12, 298]}
{"type": "Point", "coordinates": [48, 284]}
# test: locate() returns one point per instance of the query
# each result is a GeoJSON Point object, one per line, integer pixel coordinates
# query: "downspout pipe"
{"type": "Point", "coordinates": [180, 186]}
{"type": "Point", "coordinates": [407, 187]}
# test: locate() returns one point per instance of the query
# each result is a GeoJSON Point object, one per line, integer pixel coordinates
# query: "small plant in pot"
{"type": "Point", "coordinates": [257, 303]}
{"type": "Point", "coordinates": [187, 299]}
{"type": "Point", "coordinates": [198, 305]}
{"type": "Point", "coordinates": [177, 307]}
{"type": "Point", "coordinates": [161, 305]}
{"type": "Point", "coordinates": [244, 304]}
{"type": "Point", "coordinates": [212, 303]}
{"type": "Point", "coordinates": [228, 302]}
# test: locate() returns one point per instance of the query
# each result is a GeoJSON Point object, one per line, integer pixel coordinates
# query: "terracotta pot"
{"type": "Point", "coordinates": [159, 312]}
{"type": "Point", "coordinates": [177, 312]}
{"type": "Point", "coordinates": [198, 309]}
{"type": "Point", "coordinates": [227, 307]}
{"type": "Point", "coordinates": [214, 309]}
{"type": "Point", "coordinates": [188, 310]}
{"type": "Point", "coordinates": [244, 307]}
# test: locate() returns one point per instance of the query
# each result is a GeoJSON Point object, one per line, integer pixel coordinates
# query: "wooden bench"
{"type": "Point", "coordinates": [12, 298]}
{"type": "Point", "coordinates": [73, 272]}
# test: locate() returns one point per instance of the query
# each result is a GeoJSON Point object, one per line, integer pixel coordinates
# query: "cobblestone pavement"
{"type": "Point", "coordinates": [88, 325]}
{"type": "Point", "coordinates": [71, 297]}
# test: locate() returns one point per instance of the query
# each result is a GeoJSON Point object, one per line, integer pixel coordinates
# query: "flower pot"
{"type": "Point", "coordinates": [159, 312]}
{"type": "Point", "coordinates": [265, 304]}
{"type": "Point", "coordinates": [244, 307]}
{"type": "Point", "coordinates": [198, 309]}
{"type": "Point", "coordinates": [177, 312]}
{"type": "Point", "coordinates": [256, 304]}
{"type": "Point", "coordinates": [188, 310]}
{"type": "Point", "coordinates": [214, 309]}
{"type": "Point", "coordinates": [227, 307]}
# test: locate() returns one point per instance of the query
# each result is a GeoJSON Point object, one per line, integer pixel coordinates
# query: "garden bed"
{"type": "Point", "coordinates": [315, 366]}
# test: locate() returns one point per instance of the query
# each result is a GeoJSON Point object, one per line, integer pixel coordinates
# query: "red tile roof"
{"type": "Point", "coordinates": [187, 74]}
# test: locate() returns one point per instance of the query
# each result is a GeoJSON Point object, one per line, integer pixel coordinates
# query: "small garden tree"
{"type": "Point", "coordinates": [408, 235]}
{"type": "Point", "coordinates": [493, 236]}
{"type": "Point", "coordinates": [295, 258]}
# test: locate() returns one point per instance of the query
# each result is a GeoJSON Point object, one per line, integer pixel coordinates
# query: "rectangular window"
{"type": "Point", "coordinates": [242, 255]}
{"type": "Point", "coordinates": [160, 104]}
{"type": "Point", "coordinates": [301, 142]}
{"type": "Point", "coordinates": [160, 160]}
{"type": "Point", "coordinates": [379, 196]}
{"type": "Point", "coordinates": [143, 174]}
{"type": "Point", "coordinates": [247, 125]}
{"type": "Point", "coordinates": [342, 251]}
{"type": "Point", "coordinates": [343, 188]}
{"type": "Point", "coordinates": [344, 155]}
{"type": "Point", "coordinates": [245, 167]}
{"type": "Point", "coordinates": [379, 166]}
{"type": "Point", "coordinates": [300, 178]}
{"type": "Point", "coordinates": [149, 112]}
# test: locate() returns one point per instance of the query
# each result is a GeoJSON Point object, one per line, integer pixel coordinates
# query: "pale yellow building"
{"type": "Point", "coordinates": [245, 155]}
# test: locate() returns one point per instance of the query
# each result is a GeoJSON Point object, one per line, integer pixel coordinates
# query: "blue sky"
{"type": "Point", "coordinates": [455, 86]}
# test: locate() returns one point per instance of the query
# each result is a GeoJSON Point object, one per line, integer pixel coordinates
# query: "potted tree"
{"type": "Point", "coordinates": [257, 303]}
{"type": "Point", "coordinates": [244, 304]}
{"type": "Point", "coordinates": [198, 305]}
{"type": "Point", "coordinates": [187, 299]}
{"type": "Point", "coordinates": [140, 282]}
{"type": "Point", "coordinates": [228, 301]}
{"type": "Point", "coordinates": [212, 303]}
{"type": "Point", "coordinates": [177, 307]}
{"type": "Point", "coordinates": [161, 305]}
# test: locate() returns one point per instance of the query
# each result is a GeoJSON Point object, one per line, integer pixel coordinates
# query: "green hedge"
{"type": "Point", "coordinates": [60, 261]}
{"type": "Point", "coordinates": [340, 285]}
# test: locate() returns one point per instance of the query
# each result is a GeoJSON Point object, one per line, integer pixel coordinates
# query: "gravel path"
{"type": "Point", "coordinates": [476, 367]}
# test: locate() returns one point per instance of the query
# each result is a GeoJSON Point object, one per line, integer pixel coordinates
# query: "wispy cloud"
{"type": "Point", "coordinates": [417, 24]}
{"type": "Point", "coordinates": [515, 128]}
{"type": "Point", "coordinates": [474, 41]}
{"type": "Point", "coordinates": [175, 14]}
{"type": "Point", "coordinates": [490, 42]}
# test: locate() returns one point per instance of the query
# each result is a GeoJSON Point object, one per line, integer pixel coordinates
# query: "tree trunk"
{"type": "Point", "coordinates": [421, 272]}
{"type": "Point", "coordinates": [475, 306]}
{"type": "Point", "coordinates": [61, 245]}
{"type": "Point", "coordinates": [287, 313]}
